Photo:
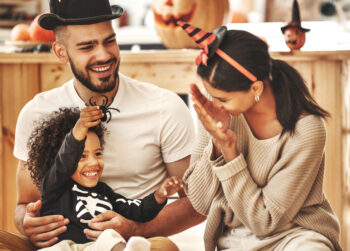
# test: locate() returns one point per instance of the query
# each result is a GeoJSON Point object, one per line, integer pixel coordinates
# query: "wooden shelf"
{"type": "Point", "coordinates": [10, 23]}
{"type": "Point", "coordinates": [18, 2]}
{"type": "Point", "coordinates": [11, 5]}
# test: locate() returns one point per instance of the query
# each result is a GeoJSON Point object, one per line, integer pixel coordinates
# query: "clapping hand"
{"type": "Point", "coordinates": [169, 187]}
{"type": "Point", "coordinates": [216, 120]}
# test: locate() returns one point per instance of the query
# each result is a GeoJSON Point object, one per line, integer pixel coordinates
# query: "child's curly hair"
{"type": "Point", "coordinates": [47, 138]}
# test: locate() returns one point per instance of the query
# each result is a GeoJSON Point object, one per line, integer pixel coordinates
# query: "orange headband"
{"type": "Point", "coordinates": [205, 40]}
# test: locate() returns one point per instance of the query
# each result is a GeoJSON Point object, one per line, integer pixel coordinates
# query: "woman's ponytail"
{"type": "Point", "coordinates": [291, 95]}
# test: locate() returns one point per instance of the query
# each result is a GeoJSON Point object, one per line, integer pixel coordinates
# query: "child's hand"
{"type": "Point", "coordinates": [90, 116]}
{"type": "Point", "coordinates": [169, 187]}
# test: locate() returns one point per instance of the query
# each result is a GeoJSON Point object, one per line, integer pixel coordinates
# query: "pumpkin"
{"type": "Point", "coordinates": [238, 17]}
{"type": "Point", "coordinates": [39, 34]}
{"type": "Point", "coordinates": [204, 14]}
{"type": "Point", "coordinates": [20, 32]}
{"type": "Point", "coordinates": [294, 37]}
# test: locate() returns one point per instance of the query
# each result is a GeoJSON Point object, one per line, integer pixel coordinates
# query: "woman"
{"type": "Point", "coordinates": [257, 166]}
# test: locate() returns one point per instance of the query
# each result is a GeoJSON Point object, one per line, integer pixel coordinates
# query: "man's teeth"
{"type": "Point", "coordinates": [90, 174]}
{"type": "Point", "coordinates": [101, 69]}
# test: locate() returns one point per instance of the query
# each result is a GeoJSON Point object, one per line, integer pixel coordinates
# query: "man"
{"type": "Point", "coordinates": [150, 129]}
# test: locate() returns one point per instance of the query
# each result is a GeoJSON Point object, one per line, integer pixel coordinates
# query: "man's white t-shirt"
{"type": "Point", "coordinates": [153, 126]}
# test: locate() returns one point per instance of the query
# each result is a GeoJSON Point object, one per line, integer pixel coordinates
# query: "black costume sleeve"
{"type": "Point", "coordinates": [140, 210]}
{"type": "Point", "coordinates": [64, 166]}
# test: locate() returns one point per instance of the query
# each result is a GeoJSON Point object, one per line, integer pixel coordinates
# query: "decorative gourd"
{"type": "Point", "coordinates": [204, 14]}
{"type": "Point", "coordinates": [294, 34]}
{"type": "Point", "coordinates": [294, 37]}
{"type": "Point", "coordinates": [39, 34]}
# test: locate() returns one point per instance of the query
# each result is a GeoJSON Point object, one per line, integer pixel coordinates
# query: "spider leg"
{"type": "Point", "coordinates": [109, 116]}
{"type": "Point", "coordinates": [111, 108]}
{"type": "Point", "coordinates": [104, 100]}
{"type": "Point", "coordinates": [91, 102]}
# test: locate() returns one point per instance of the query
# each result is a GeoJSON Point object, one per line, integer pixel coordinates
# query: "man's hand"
{"type": "Point", "coordinates": [111, 219]}
{"type": "Point", "coordinates": [42, 231]}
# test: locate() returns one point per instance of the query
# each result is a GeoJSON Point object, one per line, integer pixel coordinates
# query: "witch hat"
{"type": "Point", "coordinates": [295, 19]}
{"type": "Point", "coordinates": [209, 43]}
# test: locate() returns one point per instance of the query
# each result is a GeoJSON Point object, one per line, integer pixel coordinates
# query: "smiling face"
{"type": "Point", "coordinates": [205, 14]}
{"type": "Point", "coordinates": [235, 102]}
{"type": "Point", "coordinates": [93, 54]}
{"type": "Point", "coordinates": [90, 166]}
{"type": "Point", "coordinates": [294, 37]}
{"type": "Point", "coordinates": [168, 12]}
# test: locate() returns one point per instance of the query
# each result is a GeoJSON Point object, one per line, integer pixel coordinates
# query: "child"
{"type": "Point", "coordinates": [65, 161]}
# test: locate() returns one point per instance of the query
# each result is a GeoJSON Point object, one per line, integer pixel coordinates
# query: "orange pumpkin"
{"type": "Point", "coordinates": [39, 34]}
{"type": "Point", "coordinates": [204, 14]}
{"type": "Point", "coordinates": [294, 37]}
{"type": "Point", "coordinates": [238, 17]}
{"type": "Point", "coordinates": [20, 32]}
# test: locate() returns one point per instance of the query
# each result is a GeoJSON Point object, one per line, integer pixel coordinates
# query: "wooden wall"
{"type": "Point", "coordinates": [326, 73]}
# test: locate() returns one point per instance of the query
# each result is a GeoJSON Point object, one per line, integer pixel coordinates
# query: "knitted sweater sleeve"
{"type": "Point", "coordinates": [264, 209]}
{"type": "Point", "coordinates": [201, 183]}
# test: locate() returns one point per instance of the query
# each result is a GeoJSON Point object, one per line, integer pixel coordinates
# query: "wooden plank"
{"type": "Point", "coordinates": [318, 77]}
{"type": "Point", "coordinates": [345, 234]}
{"type": "Point", "coordinates": [54, 75]}
{"type": "Point", "coordinates": [329, 97]}
{"type": "Point", "coordinates": [20, 84]}
{"type": "Point", "coordinates": [172, 76]}
{"type": "Point", "coordinates": [175, 77]}
{"type": "Point", "coordinates": [175, 56]}
{"type": "Point", "coordinates": [2, 161]}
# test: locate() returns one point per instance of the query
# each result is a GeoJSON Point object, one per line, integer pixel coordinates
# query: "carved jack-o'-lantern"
{"type": "Point", "coordinates": [294, 37]}
{"type": "Point", "coordinates": [294, 34]}
{"type": "Point", "coordinates": [205, 14]}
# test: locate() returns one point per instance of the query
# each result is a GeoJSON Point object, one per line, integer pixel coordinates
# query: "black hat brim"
{"type": "Point", "coordinates": [283, 29]}
{"type": "Point", "coordinates": [49, 21]}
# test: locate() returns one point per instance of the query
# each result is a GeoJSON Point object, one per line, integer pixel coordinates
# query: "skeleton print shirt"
{"type": "Point", "coordinates": [61, 195]}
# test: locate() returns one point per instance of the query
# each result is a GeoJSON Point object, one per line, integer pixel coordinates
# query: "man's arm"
{"type": "Point", "coordinates": [174, 218]}
{"type": "Point", "coordinates": [42, 231]}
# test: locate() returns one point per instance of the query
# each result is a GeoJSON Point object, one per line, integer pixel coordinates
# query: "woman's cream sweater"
{"type": "Point", "coordinates": [273, 184]}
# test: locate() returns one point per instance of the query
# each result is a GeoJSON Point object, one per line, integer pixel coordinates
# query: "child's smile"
{"type": "Point", "coordinates": [90, 166]}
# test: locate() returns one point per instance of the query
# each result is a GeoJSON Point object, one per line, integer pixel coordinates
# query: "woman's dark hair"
{"type": "Point", "coordinates": [291, 94]}
{"type": "Point", "coordinates": [47, 137]}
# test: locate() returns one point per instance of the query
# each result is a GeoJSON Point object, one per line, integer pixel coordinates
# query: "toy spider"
{"type": "Point", "coordinates": [107, 115]}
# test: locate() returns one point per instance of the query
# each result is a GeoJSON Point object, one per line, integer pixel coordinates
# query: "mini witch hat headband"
{"type": "Point", "coordinates": [209, 43]}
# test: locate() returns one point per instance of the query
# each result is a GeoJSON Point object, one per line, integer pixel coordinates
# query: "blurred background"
{"type": "Point", "coordinates": [139, 13]}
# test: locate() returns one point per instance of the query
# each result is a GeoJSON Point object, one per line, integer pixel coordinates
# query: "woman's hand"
{"type": "Point", "coordinates": [90, 116]}
{"type": "Point", "coordinates": [216, 120]}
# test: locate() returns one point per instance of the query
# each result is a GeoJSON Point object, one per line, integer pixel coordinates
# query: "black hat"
{"type": "Point", "coordinates": [70, 12]}
{"type": "Point", "coordinates": [295, 19]}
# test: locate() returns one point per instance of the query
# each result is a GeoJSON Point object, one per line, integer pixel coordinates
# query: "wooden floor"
{"type": "Point", "coordinates": [191, 239]}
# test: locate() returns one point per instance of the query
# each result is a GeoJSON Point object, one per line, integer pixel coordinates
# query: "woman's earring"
{"type": "Point", "coordinates": [257, 98]}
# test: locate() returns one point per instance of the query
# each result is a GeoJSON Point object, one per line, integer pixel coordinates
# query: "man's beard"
{"type": "Point", "coordinates": [107, 83]}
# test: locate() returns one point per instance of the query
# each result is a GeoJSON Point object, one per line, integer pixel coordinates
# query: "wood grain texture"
{"type": "Point", "coordinates": [19, 84]}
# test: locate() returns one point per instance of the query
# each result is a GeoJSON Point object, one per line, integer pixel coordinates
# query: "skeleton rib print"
{"type": "Point", "coordinates": [90, 204]}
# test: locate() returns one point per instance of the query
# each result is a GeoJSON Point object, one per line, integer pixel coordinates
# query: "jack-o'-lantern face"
{"type": "Point", "coordinates": [168, 12]}
{"type": "Point", "coordinates": [204, 14]}
{"type": "Point", "coordinates": [294, 37]}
